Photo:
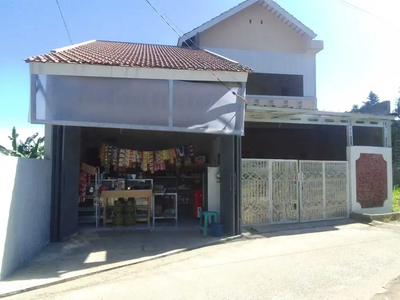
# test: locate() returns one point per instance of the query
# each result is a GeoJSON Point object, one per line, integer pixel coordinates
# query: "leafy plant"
{"type": "Point", "coordinates": [387, 219]}
{"type": "Point", "coordinates": [396, 199]}
{"type": "Point", "coordinates": [33, 147]}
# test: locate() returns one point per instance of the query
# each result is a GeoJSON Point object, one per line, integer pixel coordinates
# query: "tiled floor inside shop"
{"type": "Point", "coordinates": [190, 224]}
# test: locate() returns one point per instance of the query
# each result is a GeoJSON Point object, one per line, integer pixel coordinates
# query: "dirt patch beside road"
{"type": "Point", "coordinates": [392, 293]}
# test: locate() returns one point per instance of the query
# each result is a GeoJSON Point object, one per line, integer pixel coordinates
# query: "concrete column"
{"type": "Point", "coordinates": [48, 141]}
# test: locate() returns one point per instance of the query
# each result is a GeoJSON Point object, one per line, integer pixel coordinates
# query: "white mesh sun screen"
{"type": "Point", "coordinates": [137, 104]}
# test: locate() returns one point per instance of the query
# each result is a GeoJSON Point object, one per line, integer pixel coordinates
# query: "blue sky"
{"type": "Point", "coordinates": [361, 51]}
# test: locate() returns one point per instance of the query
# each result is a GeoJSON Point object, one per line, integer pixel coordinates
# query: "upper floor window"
{"type": "Point", "coordinates": [275, 85]}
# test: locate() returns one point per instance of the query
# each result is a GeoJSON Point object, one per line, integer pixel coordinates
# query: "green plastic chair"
{"type": "Point", "coordinates": [206, 218]}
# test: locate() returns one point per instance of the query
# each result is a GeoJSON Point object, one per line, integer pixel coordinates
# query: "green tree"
{"type": "Point", "coordinates": [396, 142]}
{"type": "Point", "coordinates": [355, 108]}
{"type": "Point", "coordinates": [396, 110]}
{"type": "Point", "coordinates": [33, 147]}
{"type": "Point", "coordinates": [372, 99]}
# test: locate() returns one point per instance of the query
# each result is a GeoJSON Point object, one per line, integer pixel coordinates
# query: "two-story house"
{"type": "Point", "coordinates": [281, 160]}
{"type": "Point", "coordinates": [225, 121]}
{"type": "Point", "coordinates": [297, 161]}
{"type": "Point", "coordinates": [279, 48]}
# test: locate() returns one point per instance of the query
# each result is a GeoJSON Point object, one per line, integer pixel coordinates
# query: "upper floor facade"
{"type": "Point", "coordinates": [279, 48]}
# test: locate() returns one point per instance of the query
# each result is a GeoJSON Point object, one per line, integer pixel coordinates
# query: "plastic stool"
{"type": "Point", "coordinates": [206, 218]}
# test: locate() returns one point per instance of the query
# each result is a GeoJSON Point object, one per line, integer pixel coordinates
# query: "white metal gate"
{"type": "Point", "coordinates": [256, 187]}
{"type": "Point", "coordinates": [269, 191]}
{"type": "Point", "coordinates": [285, 191]}
{"type": "Point", "coordinates": [323, 190]}
{"type": "Point", "coordinates": [284, 196]}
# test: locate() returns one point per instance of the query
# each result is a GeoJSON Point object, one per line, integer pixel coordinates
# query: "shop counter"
{"type": "Point", "coordinates": [137, 194]}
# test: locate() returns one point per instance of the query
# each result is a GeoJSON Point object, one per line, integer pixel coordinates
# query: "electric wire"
{"type": "Point", "coordinates": [360, 9]}
{"type": "Point", "coordinates": [65, 24]}
{"type": "Point", "coordinates": [162, 17]}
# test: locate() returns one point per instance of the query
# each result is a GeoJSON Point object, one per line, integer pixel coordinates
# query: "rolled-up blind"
{"type": "Point", "coordinates": [137, 104]}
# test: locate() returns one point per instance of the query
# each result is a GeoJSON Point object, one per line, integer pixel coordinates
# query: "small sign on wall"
{"type": "Point", "coordinates": [288, 103]}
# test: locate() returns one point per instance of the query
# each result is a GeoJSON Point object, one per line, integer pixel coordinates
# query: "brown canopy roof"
{"type": "Point", "coordinates": [123, 54]}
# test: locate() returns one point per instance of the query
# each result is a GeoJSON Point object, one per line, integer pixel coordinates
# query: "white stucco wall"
{"type": "Point", "coordinates": [276, 63]}
{"type": "Point", "coordinates": [270, 47]}
{"type": "Point", "coordinates": [236, 32]}
{"type": "Point", "coordinates": [353, 154]}
{"type": "Point", "coordinates": [25, 210]}
{"type": "Point", "coordinates": [213, 190]}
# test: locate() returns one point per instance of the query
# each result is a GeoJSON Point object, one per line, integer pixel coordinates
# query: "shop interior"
{"type": "Point", "coordinates": [146, 179]}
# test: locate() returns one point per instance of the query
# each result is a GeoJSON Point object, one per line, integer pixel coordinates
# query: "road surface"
{"type": "Point", "coordinates": [354, 261]}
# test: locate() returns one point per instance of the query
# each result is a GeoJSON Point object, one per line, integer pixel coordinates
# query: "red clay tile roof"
{"type": "Point", "coordinates": [139, 55]}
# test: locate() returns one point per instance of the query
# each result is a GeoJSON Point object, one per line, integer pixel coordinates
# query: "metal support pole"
{"type": "Point", "coordinates": [270, 186]}
{"type": "Point", "coordinates": [324, 189]}
{"type": "Point", "coordinates": [170, 102]}
{"type": "Point", "coordinates": [238, 167]}
{"type": "Point", "coordinates": [239, 196]}
{"type": "Point", "coordinates": [350, 134]}
{"type": "Point", "coordinates": [32, 104]}
{"type": "Point", "coordinates": [385, 134]}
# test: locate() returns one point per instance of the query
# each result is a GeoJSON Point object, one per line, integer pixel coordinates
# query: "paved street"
{"type": "Point", "coordinates": [89, 253]}
{"type": "Point", "coordinates": [354, 261]}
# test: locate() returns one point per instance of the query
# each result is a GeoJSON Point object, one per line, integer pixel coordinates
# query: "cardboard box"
{"type": "Point", "coordinates": [88, 169]}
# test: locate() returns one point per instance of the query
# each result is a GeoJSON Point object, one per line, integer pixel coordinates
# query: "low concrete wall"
{"type": "Point", "coordinates": [393, 216]}
{"type": "Point", "coordinates": [25, 210]}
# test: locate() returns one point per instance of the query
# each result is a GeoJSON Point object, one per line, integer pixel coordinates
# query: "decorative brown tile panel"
{"type": "Point", "coordinates": [371, 177]}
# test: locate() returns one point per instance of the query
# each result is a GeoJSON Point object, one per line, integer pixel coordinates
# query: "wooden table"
{"type": "Point", "coordinates": [105, 195]}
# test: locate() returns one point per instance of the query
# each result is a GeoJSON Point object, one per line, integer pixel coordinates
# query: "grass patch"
{"type": "Point", "coordinates": [387, 219]}
{"type": "Point", "coordinates": [396, 199]}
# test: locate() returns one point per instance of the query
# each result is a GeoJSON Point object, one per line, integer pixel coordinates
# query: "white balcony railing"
{"type": "Point", "coordinates": [282, 101]}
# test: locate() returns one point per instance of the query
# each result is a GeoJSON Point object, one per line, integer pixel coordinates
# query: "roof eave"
{"type": "Point", "coordinates": [289, 17]}
{"type": "Point", "coordinates": [303, 29]}
{"type": "Point", "coordinates": [311, 112]}
{"type": "Point", "coordinates": [88, 70]}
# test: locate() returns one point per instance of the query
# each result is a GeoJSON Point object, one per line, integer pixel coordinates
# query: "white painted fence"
{"type": "Point", "coordinates": [25, 210]}
{"type": "Point", "coordinates": [286, 191]}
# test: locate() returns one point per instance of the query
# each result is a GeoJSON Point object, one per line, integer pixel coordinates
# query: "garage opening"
{"type": "Point", "coordinates": [294, 141]}
{"type": "Point", "coordinates": [293, 173]}
{"type": "Point", "coordinates": [167, 178]}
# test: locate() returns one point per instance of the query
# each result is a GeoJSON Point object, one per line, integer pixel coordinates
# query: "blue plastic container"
{"type": "Point", "coordinates": [217, 229]}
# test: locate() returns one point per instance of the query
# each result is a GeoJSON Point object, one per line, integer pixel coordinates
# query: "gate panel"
{"type": "Point", "coordinates": [273, 193]}
{"type": "Point", "coordinates": [323, 190]}
{"type": "Point", "coordinates": [336, 190]}
{"type": "Point", "coordinates": [255, 191]}
{"type": "Point", "coordinates": [284, 191]}
{"type": "Point", "coordinates": [311, 191]}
